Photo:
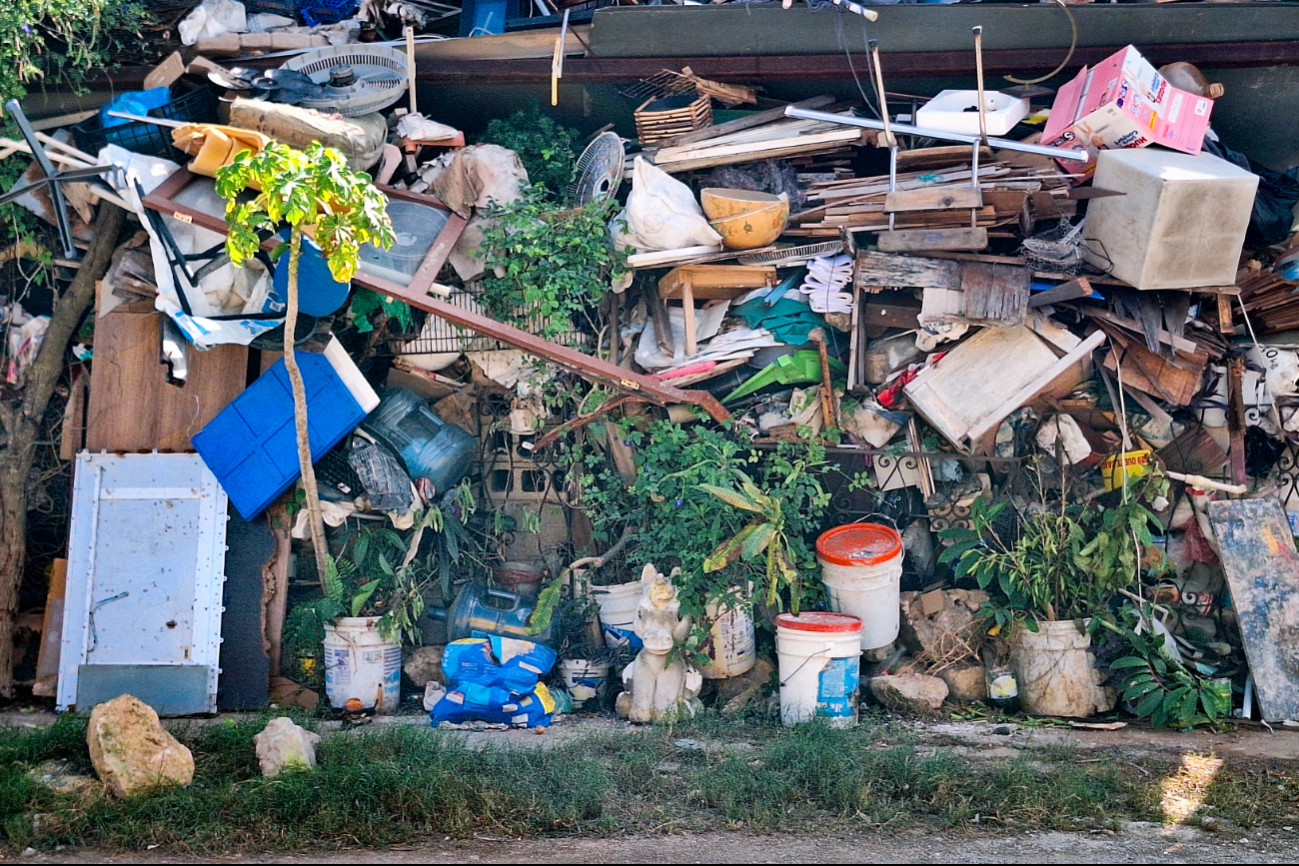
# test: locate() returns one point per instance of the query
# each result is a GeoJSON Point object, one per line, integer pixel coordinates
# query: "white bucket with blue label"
{"type": "Point", "coordinates": [820, 667]}
{"type": "Point", "coordinates": [618, 613]}
{"type": "Point", "coordinates": [360, 664]}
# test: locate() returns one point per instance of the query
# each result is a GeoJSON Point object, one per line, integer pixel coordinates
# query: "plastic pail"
{"type": "Point", "coordinates": [819, 657]}
{"type": "Point", "coordinates": [584, 680]}
{"type": "Point", "coordinates": [360, 664]}
{"type": "Point", "coordinates": [731, 647]}
{"type": "Point", "coordinates": [861, 566]}
{"type": "Point", "coordinates": [618, 613]}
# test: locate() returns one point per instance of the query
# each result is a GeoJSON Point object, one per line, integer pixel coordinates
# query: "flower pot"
{"type": "Point", "coordinates": [360, 664]}
{"type": "Point", "coordinates": [1056, 674]}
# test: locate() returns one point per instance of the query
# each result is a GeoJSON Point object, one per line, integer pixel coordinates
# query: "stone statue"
{"type": "Point", "coordinates": [659, 689]}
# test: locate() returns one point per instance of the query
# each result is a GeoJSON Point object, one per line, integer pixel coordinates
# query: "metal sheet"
{"type": "Point", "coordinates": [172, 690]}
{"type": "Point", "coordinates": [146, 562]}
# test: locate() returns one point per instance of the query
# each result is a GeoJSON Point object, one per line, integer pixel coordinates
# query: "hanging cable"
{"type": "Point", "coordinates": [1073, 46]}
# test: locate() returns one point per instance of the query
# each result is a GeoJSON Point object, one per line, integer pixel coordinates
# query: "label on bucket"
{"type": "Point", "coordinates": [616, 636]}
{"type": "Point", "coordinates": [836, 694]}
{"type": "Point", "coordinates": [1003, 688]}
{"type": "Point", "coordinates": [338, 668]}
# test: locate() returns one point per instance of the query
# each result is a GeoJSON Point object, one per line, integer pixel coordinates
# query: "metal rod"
{"type": "Point", "coordinates": [974, 182]}
{"type": "Point", "coordinates": [908, 129]}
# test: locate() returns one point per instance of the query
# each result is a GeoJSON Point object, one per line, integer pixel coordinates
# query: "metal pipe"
{"type": "Point", "coordinates": [908, 129]}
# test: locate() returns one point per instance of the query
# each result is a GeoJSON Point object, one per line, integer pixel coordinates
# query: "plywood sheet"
{"type": "Point", "coordinates": [132, 407]}
{"type": "Point", "coordinates": [1262, 570]}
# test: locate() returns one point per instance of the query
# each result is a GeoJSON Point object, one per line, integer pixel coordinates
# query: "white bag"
{"type": "Point", "coordinates": [662, 213]}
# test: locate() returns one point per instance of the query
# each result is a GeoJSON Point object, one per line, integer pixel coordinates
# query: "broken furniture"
{"type": "Point", "coordinates": [371, 275]}
{"type": "Point", "coordinates": [710, 283]}
{"type": "Point", "coordinates": [146, 562]}
{"type": "Point", "coordinates": [967, 393]}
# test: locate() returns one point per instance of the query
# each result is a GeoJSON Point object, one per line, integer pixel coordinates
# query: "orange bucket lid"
{"type": "Point", "coordinates": [819, 621]}
{"type": "Point", "coordinates": [859, 544]}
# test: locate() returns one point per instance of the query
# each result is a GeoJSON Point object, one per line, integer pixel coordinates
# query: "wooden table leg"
{"type": "Point", "coordinates": [688, 300]}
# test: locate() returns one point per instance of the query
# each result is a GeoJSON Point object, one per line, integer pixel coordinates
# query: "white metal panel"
{"type": "Point", "coordinates": [146, 563]}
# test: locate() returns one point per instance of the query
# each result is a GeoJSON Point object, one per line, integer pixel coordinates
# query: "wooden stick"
{"type": "Point", "coordinates": [888, 140]}
{"type": "Point", "coordinates": [156, 121]}
{"type": "Point", "coordinates": [978, 71]}
{"type": "Point", "coordinates": [410, 66]}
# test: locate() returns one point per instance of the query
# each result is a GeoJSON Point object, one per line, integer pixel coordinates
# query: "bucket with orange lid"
{"type": "Point", "coordinates": [861, 566]}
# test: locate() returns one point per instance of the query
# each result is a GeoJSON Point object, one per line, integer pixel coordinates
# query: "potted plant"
{"type": "Point", "coordinates": [1049, 577]}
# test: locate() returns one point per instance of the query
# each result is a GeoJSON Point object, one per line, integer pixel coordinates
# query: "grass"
{"type": "Point", "coordinates": [397, 784]}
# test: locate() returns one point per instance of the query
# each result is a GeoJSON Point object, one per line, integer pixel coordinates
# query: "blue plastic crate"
{"type": "Point", "coordinates": [251, 446]}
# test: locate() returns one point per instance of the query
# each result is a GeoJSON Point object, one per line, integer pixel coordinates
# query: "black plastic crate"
{"type": "Point", "coordinates": [197, 106]}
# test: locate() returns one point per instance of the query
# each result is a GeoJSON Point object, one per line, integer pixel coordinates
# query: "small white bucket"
{"type": "Point", "coordinates": [861, 567]}
{"type": "Point", "coordinates": [618, 613]}
{"type": "Point", "coordinates": [819, 657]}
{"type": "Point", "coordinates": [731, 648]}
{"type": "Point", "coordinates": [1056, 674]}
{"type": "Point", "coordinates": [584, 680]}
{"type": "Point", "coordinates": [360, 664]}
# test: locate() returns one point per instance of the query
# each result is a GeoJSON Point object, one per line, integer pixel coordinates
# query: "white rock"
{"type": "Point", "coordinates": [914, 693]}
{"type": "Point", "coordinates": [283, 745]}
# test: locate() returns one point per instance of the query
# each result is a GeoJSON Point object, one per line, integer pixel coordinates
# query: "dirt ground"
{"type": "Point", "coordinates": [1139, 843]}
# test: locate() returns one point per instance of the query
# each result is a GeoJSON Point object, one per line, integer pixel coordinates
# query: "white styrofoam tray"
{"type": "Point", "coordinates": [957, 111]}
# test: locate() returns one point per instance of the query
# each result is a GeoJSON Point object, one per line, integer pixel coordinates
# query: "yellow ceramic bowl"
{"type": "Point", "coordinates": [746, 220]}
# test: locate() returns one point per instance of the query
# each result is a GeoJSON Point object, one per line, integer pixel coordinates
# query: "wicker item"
{"type": "Point", "coordinates": [380, 77]}
{"type": "Point", "coordinates": [672, 115]}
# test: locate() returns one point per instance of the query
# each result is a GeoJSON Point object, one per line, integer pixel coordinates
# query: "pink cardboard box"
{"type": "Point", "coordinates": [1123, 101]}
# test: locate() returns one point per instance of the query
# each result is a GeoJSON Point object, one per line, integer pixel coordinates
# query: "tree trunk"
{"type": "Point", "coordinates": [21, 423]}
{"type": "Point", "coordinates": [315, 520]}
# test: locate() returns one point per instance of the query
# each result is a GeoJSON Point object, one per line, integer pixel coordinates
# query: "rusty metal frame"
{"type": "Point", "coordinates": [417, 295]}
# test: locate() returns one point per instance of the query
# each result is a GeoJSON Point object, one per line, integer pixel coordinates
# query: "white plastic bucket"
{"type": "Point", "coordinates": [584, 680]}
{"type": "Point", "coordinates": [360, 664]}
{"type": "Point", "coordinates": [731, 648]}
{"type": "Point", "coordinates": [861, 567]}
{"type": "Point", "coordinates": [618, 613]}
{"type": "Point", "coordinates": [819, 657]}
{"type": "Point", "coordinates": [1056, 674]}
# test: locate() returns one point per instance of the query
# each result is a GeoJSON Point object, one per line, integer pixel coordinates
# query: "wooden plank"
{"type": "Point", "coordinates": [935, 157]}
{"type": "Point", "coordinates": [1261, 565]}
{"type": "Point", "coordinates": [133, 408]}
{"type": "Point", "coordinates": [1146, 371]}
{"type": "Point", "coordinates": [713, 282]}
{"type": "Point", "coordinates": [890, 310]}
{"type": "Point", "coordinates": [743, 123]}
{"type": "Point", "coordinates": [73, 435]}
{"type": "Point", "coordinates": [1070, 291]}
{"type": "Point", "coordinates": [874, 269]}
{"type": "Point", "coordinates": [995, 293]}
{"type": "Point", "coordinates": [1236, 417]}
{"type": "Point", "coordinates": [918, 240]}
{"type": "Point", "coordinates": [47, 659]}
{"type": "Point", "coordinates": [940, 198]}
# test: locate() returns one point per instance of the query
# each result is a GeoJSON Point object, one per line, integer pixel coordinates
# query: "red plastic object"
{"type": "Point", "coordinates": [819, 622]}
{"type": "Point", "coordinates": [859, 544]}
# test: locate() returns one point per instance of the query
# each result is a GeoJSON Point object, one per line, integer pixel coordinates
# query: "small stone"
{"type": "Point", "coordinates": [423, 665]}
{"type": "Point", "coordinates": [1210, 823]}
{"type": "Point", "coordinates": [283, 745]}
{"type": "Point", "coordinates": [130, 750]}
{"type": "Point", "coordinates": [914, 693]}
{"type": "Point", "coordinates": [1005, 730]}
{"type": "Point", "coordinates": [57, 775]}
{"type": "Point", "coordinates": [966, 682]}
{"type": "Point", "coordinates": [738, 703]}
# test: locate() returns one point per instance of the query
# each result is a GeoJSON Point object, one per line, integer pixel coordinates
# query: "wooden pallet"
{"type": "Point", "coordinates": [653, 126]}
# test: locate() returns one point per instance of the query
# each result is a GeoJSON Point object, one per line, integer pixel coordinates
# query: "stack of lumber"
{"type": "Point", "coordinates": [1271, 300]}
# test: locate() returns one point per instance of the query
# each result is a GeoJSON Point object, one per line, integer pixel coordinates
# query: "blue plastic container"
{"type": "Point", "coordinates": [252, 447]}
{"type": "Point", "coordinates": [319, 294]}
{"type": "Point", "coordinates": [430, 447]}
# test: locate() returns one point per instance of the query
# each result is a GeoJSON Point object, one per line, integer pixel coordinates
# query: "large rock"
{"type": "Point", "coordinates": [130, 750]}
{"type": "Point", "coordinates": [909, 693]}
{"type": "Point", "coordinates": [966, 682]}
{"type": "Point", "coordinates": [283, 745]}
{"type": "Point", "coordinates": [423, 665]}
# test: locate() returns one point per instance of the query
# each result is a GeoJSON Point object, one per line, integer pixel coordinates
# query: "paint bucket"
{"type": "Point", "coordinates": [731, 647]}
{"type": "Point", "coordinates": [585, 681]}
{"type": "Point", "coordinates": [1134, 463]}
{"type": "Point", "coordinates": [360, 664]}
{"type": "Point", "coordinates": [819, 658]}
{"type": "Point", "coordinates": [861, 566]}
{"type": "Point", "coordinates": [1056, 674]}
{"type": "Point", "coordinates": [618, 613]}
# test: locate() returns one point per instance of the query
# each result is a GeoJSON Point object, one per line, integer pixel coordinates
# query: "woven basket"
{"type": "Point", "coordinates": [380, 73]}
{"type": "Point", "coordinates": [653, 126]}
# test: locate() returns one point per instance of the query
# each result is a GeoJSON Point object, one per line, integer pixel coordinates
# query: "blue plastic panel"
{"type": "Point", "coordinates": [251, 447]}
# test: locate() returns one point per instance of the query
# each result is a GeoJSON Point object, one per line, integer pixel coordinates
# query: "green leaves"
{"type": "Point", "coordinates": [313, 189]}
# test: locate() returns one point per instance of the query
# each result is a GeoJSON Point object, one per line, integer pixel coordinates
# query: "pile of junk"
{"type": "Point", "coordinates": [988, 397]}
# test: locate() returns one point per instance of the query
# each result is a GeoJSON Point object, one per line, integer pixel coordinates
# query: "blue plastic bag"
{"type": "Point", "coordinates": [139, 102]}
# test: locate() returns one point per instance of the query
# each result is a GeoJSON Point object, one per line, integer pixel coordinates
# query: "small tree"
{"type": "Point", "coordinates": [316, 193]}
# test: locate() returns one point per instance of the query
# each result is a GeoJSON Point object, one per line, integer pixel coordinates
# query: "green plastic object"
{"type": "Point", "coordinates": [800, 368]}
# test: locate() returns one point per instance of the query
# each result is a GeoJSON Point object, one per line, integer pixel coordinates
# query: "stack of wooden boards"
{"type": "Point", "coordinates": [1271, 300]}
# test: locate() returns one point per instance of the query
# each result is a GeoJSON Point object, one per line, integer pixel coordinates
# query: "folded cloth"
{"type": "Point", "coordinates": [214, 146]}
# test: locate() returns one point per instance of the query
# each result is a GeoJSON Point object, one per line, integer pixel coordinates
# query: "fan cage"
{"type": "Point", "coordinates": [438, 336]}
{"type": "Point", "coordinates": [381, 70]}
